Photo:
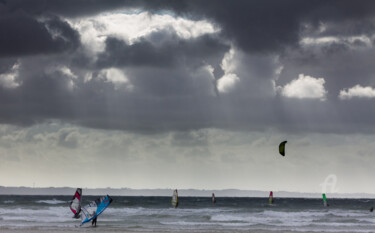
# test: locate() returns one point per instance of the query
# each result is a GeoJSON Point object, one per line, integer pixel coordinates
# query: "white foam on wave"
{"type": "Point", "coordinates": [162, 211]}
{"type": "Point", "coordinates": [51, 214]}
{"type": "Point", "coordinates": [243, 219]}
{"type": "Point", "coordinates": [197, 224]}
{"type": "Point", "coordinates": [308, 220]}
{"type": "Point", "coordinates": [365, 201]}
{"type": "Point", "coordinates": [136, 212]}
{"type": "Point", "coordinates": [350, 214]}
{"type": "Point", "coordinates": [230, 217]}
{"type": "Point", "coordinates": [341, 224]}
{"type": "Point", "coordinates": [270, 218]}
{"type": "Point", "coordinates": [185, 223]}
{"type": "Point", "coordinates": [297, 214]}
{"type": "Point", "coordinates": [8, 201]}
{"type": "Point", "coordinates": [51, 202]}
{"type": "Point", "coordinates": [332, 230]}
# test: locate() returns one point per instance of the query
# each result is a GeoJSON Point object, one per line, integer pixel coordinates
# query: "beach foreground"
{"type": "Point", "coordinates": [131, 231]}
{"type": "Point", "coordinates": [40, 214]}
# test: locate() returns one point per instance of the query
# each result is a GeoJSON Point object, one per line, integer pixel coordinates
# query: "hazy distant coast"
{"type": "Point", "coordinates": [168, 192]}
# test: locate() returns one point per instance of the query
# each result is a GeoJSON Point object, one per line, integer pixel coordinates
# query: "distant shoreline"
{"type": "Point", "coordinates": [67, 191]}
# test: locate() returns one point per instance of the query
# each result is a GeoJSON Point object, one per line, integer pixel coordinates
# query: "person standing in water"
{"type": "Point", "coordinates": [270, 198]}
{"type": "Point", "coordinates": [213, 198]}
{"type": "Point", "coordinates": [94, 222]}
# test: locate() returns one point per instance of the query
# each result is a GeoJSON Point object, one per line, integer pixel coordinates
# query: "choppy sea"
{"type": "Point", "coordinates": [194, 214]}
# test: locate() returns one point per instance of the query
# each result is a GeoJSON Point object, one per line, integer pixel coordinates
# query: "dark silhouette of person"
{"type": "Point", "coordinates": [94, 222]}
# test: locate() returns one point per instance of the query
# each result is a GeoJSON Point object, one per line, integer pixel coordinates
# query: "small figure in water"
{"type": "Point", "coordinates": [77, 215]}
{"type": "Point", "coordinates": [176, 198]}
{"type": "Point", "coordinates": [94, 222]}
{"type": "Point", "coordinates": [270, 198]}
{"type": "Point", "coordinates": [213, 198]}
{"type": "Point", "coordinates": [371, 209]}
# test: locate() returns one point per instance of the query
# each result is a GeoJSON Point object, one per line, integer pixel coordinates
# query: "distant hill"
{"type": "Point", "coordinates": [168, 192]}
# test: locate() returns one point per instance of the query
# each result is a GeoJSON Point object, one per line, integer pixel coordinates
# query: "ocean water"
{"type": "Point", "coordinates": [194, 214]}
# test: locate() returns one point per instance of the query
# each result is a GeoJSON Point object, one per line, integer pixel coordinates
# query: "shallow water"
{"type": "Point", "coordinates": [193, 214]}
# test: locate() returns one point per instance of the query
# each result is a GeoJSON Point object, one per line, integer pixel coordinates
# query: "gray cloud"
{"type": "Point", "coordinates": [68, 138]}
{"type": "Point", "coordinates": [168, 82]}
{"type": "Point", "coordinates": [190, 138]}
{"type": "Point", "coordinates": [171, 52]}
{"type": "Point", "coordinates": [24, 35]}
{"type": "Point", "coordinates": [263, 26]}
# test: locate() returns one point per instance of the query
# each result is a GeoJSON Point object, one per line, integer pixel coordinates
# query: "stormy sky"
{"type": "Point", "coordinates": [187, 94]}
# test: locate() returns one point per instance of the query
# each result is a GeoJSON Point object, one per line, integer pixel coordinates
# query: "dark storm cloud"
{"type": "Point", "coordinates": [70, 8]}
{"type": "Point", "coordinates": [38, 98]}
{"type": "Point", "coordinates": [24, 35]}
{"type": "Point", "coordinates": [141, 53]}
{"type": "Point", "coordinates": [263, 26]}
{"type": "Point", "coordinates": [6, 64]}
{"type": "Point", "coordinates": [170, 86]}
{"type": "Point", "coordinates": [253, 25]}
{"type": "Point", "coordinates": [362, 26]}
{"type": "Point", "coordinates": [169, 53]}
{"type": "Point", "coordinates": [270, 26]}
